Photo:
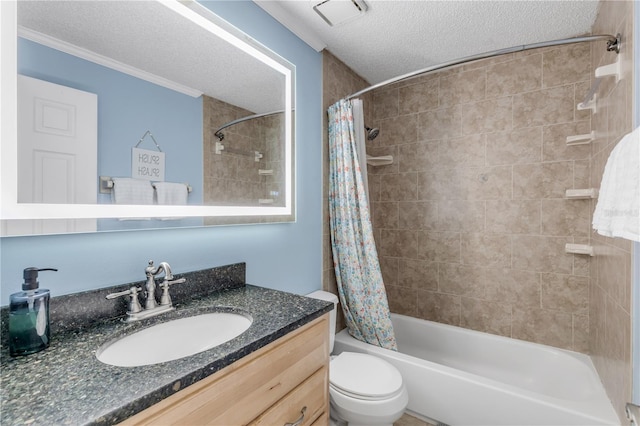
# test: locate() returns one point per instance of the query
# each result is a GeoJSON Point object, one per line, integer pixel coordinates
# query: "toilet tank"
{"type": "Point", "coordinates": [329, 297]}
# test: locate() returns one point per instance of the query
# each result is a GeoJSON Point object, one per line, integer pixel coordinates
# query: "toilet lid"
{"type": "Point", "coordinates": [364, 376]}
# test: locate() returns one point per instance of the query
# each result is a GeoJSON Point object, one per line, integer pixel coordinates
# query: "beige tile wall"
{"type": "Point", "coordinates": [610, 331]}
{"type": "Point", "coordinates": [471, 220]}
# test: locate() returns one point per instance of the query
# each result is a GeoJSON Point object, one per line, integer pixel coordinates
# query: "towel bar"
{"type": "Point", "coordinates": [106, 184]}
{"type": "Point", "coordinates": [219, 147]}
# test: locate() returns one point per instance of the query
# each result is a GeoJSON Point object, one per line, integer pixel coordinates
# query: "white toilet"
{"type": "Point", "coordinates": [363, 389]}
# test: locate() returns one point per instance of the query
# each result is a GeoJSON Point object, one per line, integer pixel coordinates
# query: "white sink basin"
{"type": "Point", "coordinates": [173, 339]}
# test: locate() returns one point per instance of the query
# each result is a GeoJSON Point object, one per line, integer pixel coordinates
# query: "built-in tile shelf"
{"type": "Point", "coordinates": [590, 104]}
{"type": "Point", "coordinates": [384, 160]}
{"type": "Point", "coordinates": [581, 139]}
{"type": "Point", "coordinates": [583, 249]}
{"type": "Point", "coordinates": [613, 69]}
{"type": "Point", "coordinates": [581, 194]}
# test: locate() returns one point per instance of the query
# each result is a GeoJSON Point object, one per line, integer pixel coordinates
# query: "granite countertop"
{"type": "Point", "coordinates": [67, 385]}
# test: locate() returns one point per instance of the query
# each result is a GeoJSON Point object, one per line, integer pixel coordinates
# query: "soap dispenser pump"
{"type": "Point", "coordinates": [29, 316]}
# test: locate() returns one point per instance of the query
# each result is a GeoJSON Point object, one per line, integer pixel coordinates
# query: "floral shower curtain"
{"type": "Point", "coordinates": [360, 287]}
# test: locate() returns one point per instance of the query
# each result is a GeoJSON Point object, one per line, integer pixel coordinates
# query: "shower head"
{"type": "Point", "coordinates": [372, 133]}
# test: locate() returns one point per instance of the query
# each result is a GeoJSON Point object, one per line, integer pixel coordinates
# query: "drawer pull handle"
{"type": "Point", "coordinates": [300, 419]}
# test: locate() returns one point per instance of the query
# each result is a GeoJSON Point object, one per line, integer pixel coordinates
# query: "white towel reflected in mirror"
{"type": "Point", "coordinates": [171, 193]}
{"type": "Point", "coordinates": [132, 191]}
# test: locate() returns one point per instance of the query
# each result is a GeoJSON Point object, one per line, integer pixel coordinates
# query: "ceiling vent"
{"type": "Point", "coordinates": [336, 12]}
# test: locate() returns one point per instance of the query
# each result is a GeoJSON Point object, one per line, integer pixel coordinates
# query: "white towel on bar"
{"type": "Point", "coordinates": [171, 193]}
{"type": "Point", "coordinates": [131, 191]}
{"type": "Point", "coordinates": [617, 212]}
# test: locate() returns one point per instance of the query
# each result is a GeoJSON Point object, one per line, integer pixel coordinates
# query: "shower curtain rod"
{"type": "Point", "coordinates": [613, 44]}
{"type": "Point", "coordinates": [240, 120]}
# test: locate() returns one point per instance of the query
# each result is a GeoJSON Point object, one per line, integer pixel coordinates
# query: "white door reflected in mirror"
{"type": "Point", "coordinates": [57, 152]}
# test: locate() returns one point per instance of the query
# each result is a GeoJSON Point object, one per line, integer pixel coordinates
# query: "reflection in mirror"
{"type": "Point", "coordinates": [157, 83]}
{"type": "Point", "coordinates": [243, 155]}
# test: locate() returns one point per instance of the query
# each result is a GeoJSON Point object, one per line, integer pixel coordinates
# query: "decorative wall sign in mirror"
{"type": "Point", "coordinates": [140, 115]}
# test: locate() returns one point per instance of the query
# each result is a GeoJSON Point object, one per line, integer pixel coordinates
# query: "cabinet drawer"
{"type": "Point", "coordinates": [323, 420]}
{"type": "Point", "coordinates": [312, 394]}
{"type": "Point", "coordinates": [243, 390]}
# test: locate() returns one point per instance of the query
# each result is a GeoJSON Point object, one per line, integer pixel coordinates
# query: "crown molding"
{"type": "Point", "coordinates": [96, 58]}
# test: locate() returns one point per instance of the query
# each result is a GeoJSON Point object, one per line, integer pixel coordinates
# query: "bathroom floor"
{"type": "Point", "coordinates": [407, 420]}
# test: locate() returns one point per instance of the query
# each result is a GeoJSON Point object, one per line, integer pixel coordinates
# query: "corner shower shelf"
{"type": "Point", "coordinates": [611, 69]}
{"type": "Point", "coordinates": [589, 104]}
{"type": "Point", "coordinates": [615, 68]}
{"type": "Point", "coordinates": [579, 249]}
{"type": "Point", "coordinates": [581, 194]}
{"type": "Point", "coordinates": [384, 160]}
{"type": "Point", "coordinates": [581, 139]}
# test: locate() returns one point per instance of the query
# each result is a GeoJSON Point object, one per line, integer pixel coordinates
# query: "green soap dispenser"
{"type": "Point", "coordinates": [29, 316]}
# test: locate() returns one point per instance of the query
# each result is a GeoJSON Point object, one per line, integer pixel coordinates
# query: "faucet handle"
{"type": "Point", "coordinates": [165, 299]}
{"type": "Point", "coordinates": [134, 304]}
{"type": "Point", "coordinates": [170, 282]}
{"type": "Point", "coordinates": [124, 292]}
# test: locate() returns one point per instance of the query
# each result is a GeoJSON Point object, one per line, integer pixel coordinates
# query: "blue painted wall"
{"type": "Point", "coordinates": [282, 256]}
{"type": "Point", "coordinates": [127, 108]}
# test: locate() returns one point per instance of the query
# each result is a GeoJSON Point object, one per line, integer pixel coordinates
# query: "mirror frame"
{"type": "Point", "coordinates": [10, 208]}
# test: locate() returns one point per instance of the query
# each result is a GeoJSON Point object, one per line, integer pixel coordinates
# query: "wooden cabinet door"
{"type": "Point", "coordinates": [302, 406]}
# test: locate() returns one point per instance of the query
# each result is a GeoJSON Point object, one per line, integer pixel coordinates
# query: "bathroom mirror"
{"type": "Point", "coordinates": [208, 107]}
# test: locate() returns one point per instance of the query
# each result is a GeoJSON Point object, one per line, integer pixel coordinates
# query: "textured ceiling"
{"type": "Point", "coordinates": [150, 37]}
{"type": "Point", "coordinates": [397, 37]}
{"type": "Point", "coordinates": [391, 39]}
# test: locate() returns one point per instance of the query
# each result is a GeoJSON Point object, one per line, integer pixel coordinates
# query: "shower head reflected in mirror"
{"type": "Point", "coordinates": [372, 133]}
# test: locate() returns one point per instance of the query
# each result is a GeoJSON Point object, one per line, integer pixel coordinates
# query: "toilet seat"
{"type": "Point", "coordinates": [364, 377]}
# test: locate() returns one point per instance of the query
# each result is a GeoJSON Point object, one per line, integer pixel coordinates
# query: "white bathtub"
{"type": "Point", "coordinates": [463, 377]}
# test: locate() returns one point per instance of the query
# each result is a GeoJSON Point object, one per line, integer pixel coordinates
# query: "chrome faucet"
{"type": "Point", "coordinates": [150, 286]}
{"type": "Point", "coordinates": [151, 306]}
{"type": "Point", "coordinates": [151, 272]}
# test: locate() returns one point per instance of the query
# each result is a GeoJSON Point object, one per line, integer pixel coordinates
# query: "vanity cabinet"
{"type": "Point", "coordinates": [274, 385]}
